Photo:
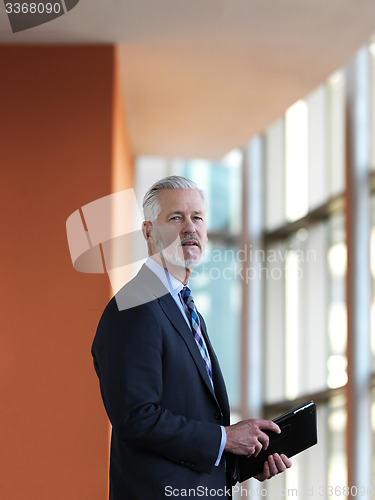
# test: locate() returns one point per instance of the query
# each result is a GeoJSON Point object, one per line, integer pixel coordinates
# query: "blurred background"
{"type": "Point", "coordinates": [270, 107]}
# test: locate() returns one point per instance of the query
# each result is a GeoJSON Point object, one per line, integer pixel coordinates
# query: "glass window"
{"type": "Point", "coordinates": [337, 463]}
{"type": "Point", "coordinates": [305, 287]}
{"type": "Point", "coordinates": [312, 251]}
{"type": "Point", "coordinates": [296, 161]}
{"type": "Point", "coordinates": [296, 298]}
{"type": "Point", "coordinates": [337, 317]}
{"type": "Point", "coordinates": [372, 267]}
{"type": "Point", "coordinates": [217, 291]}
{"type": "Point", "coordinates": [274, 178]}
{"type": "Point", "coordinates": [373, 441]}
{"type": "Point", "coordinates": [318, 181]}
{"type": "Point", "coordinates": [336, 132]}
{"type": "Point", "coordinates": [274, 322]}
{"type": "Point", "coordinates": [222, 183]}
{"type": "Point", "coordinates": [372, 104]}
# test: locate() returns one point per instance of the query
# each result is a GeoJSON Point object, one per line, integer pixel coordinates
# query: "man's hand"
{"type": "Point", "coordinates": [274, 465]}
{"type": "Point", "coordinates": [247, 437]}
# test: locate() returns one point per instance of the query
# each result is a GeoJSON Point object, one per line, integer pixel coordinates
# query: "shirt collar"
{"type": "Point", "coordinates": [173, 285]}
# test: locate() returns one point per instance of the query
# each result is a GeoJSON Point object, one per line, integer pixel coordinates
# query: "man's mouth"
{"type": "Point", "coordinates": [190, 242]}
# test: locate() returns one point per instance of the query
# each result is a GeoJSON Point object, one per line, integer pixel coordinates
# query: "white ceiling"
{"type": "Point", "coordinates": [200, 77]}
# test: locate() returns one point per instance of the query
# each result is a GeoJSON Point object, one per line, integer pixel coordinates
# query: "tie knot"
{"type": "Point", "coordinates": [186, 295]}
{"type": "Point", "coordinates": [186, 291]}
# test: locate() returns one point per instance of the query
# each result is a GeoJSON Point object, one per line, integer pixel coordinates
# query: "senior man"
{"type": "Point", "coordinates": [160, 380]}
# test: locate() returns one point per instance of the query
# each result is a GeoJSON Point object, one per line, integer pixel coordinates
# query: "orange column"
{"type": "Point", "coordinates": [57, 149]}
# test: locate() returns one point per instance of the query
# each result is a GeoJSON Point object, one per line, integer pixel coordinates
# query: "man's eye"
{"type": "Point", "coordinates": [176, 217]}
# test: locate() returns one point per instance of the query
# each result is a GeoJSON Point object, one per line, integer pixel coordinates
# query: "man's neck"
{"type": "Point", "coordinates": [180, 273]}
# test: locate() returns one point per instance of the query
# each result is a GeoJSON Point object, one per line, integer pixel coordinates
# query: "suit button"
{"type": "Point", "coordinates": [218, 415]}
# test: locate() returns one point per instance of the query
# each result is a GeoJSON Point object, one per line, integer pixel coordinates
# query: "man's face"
{"type": "Point", "coordinates": [180, 231]}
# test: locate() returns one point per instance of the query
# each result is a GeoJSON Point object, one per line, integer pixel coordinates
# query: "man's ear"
{"type": "Point", "coordinates": [147, 230]}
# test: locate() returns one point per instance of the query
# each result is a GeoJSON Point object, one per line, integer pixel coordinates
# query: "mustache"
{"type": "Point", "coordinates": [190, 237]}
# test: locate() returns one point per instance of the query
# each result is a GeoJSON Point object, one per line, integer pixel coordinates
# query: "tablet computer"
{"type": "Point", "coordinates": [298, 432]}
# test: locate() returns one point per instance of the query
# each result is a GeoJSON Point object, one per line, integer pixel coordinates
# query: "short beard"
{"type": "Point", "coordinates": [175, 258]}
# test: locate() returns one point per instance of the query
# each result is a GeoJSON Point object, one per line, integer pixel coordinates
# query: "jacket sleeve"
{"type": "Point", "coordinates": [128, 356]}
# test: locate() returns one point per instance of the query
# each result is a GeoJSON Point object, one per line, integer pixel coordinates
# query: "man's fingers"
{"type": "Point", "coordinates": [264, 439]}
{"type": "Point", "coordinates": [285, 459]}
{"type": "Point", "coordinates": [274, 465]}
{"type": "Point", "coordinates": [249, 437]}
{"type": "Point", "coordinates": [265, 474]}
{"type": "Point", "coordinates": [258, 448]}
{"type": "Point", "coordinates": [279, 465]}
{"type": "Point", "coordinates": [268, 425]}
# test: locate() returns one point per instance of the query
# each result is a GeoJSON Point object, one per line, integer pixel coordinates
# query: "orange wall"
{"type": "Point", "coordinates": [56, 152]}
{"type": "Point", "coordinates": [122, 178]}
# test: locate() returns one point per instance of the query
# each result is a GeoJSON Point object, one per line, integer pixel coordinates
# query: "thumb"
{"type": "Point", "coordinates": [269, 425]}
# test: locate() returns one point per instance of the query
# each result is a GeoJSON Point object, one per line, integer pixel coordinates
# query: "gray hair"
{"type": "Point", "coordinates": [151, 204]}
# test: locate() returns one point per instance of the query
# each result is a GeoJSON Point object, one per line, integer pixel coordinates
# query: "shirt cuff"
{"type": "Point", "coordinates": [222, 445]}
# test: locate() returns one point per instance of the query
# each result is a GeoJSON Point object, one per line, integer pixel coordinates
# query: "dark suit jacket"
{"type": "Point", "coordinates": [164, 413]}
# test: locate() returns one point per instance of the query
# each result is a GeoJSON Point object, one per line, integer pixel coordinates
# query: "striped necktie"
{"type": "Point", "coordinates": [194, 321]}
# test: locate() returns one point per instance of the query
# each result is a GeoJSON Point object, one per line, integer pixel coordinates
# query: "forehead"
{"type": "Point", "coordinates": [181, 200]}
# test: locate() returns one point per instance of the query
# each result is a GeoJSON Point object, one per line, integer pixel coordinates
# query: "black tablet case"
{"type": "Point", "coordinates": [298, 432]}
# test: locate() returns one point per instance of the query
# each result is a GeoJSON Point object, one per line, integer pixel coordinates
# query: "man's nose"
{"type": "Point", "coordinates": [188, 226]}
